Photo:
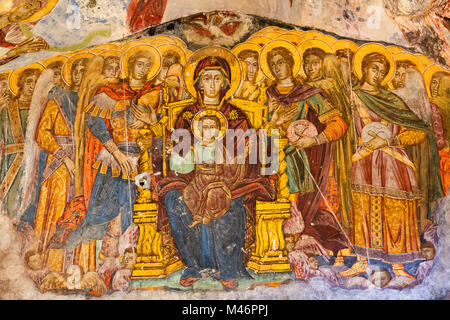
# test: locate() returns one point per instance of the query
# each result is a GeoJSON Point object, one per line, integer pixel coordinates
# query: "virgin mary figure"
{"type": "Point", "coordinates": [215, 245]}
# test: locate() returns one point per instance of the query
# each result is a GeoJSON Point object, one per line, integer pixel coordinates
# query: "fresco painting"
{"type": "Point", "coordinates": [224, 151]}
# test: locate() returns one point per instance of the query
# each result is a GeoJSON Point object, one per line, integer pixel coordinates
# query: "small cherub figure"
{"type": "Point", "coordinates": [428, 251]}
{"type": "Point", "coordinates": [122, 276]}
{"type": "Point", "coordinates": [380, 277]}
{"type": "Point", "coordinates": [74, 281]}
{"type": "Point", "coordinates": [424, 268]}
{"type": "Point", "coordinates": [35, 270]}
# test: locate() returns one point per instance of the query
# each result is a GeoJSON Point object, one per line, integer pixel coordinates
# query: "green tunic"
{"type": "Point", "coordinates": [11, 201]}
{"type": "Point", "coordinates": [297, 163]}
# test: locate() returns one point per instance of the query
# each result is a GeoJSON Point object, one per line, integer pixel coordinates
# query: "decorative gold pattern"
{"type": "Point", "coordinates": [152, 259]}
{"type": "Point", "coordinates": [375, 222]}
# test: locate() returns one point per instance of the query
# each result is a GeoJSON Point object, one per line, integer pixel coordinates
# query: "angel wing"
{"type": "Point", "coordinates": [31, 150]}
{"type": "Point", "coordinates": [53, 281]}
{"type": "Point", "coordinates": [333, 69]}
{"type": "Point", "coordinates": [308, 244]}
{"type": "Point", "coordinates": [92, 80]}
{"type": "Point", "coordinates": [14, 34]}
{"type": "Point", "coordinates": [430, 234]}
{"type": "Point", "coordinates": [92, 281]}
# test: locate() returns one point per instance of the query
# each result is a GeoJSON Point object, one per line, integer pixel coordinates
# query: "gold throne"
{"type": "Point", "coordinates": [268, 253]}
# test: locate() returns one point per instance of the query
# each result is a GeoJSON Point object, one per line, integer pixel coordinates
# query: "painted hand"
{"type": "Point", "coordinates": [281, 116]}
{"type": "Point", "coordinates": [305, 142]}
{"type": "Point", "coordinates": [273, 104]}
{"type": "Point", "coordinates": [124, 162]}
{"type": "Point", "coordinates": [376, 143]}
{"type": "Point", "coordinates": [70, 166]}
{"type": "Point", "coordinates": [146, 117]}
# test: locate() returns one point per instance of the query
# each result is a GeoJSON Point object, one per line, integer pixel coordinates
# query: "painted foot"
{"type": "Point", "coordinates": [189, 281]}
{"type": "Point", "coordinates": [230, 284]}
{"type": "Point", "coordinates": [339, 262]}
{"type": "Point", "coordinates": [402, 273]}
{"type": "Point", "coordinates": [357, 268]}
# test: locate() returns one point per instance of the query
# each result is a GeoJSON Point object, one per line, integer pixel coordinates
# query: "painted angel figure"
{"type": "Point", "coordinates": [16, 18]}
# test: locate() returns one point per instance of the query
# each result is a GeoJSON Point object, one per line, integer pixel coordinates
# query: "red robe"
{"type": "Point", "coordinates": [145, 13]}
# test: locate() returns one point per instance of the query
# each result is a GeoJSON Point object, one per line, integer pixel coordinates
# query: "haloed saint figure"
{"type": "Point", "coordinates": [209, 228]}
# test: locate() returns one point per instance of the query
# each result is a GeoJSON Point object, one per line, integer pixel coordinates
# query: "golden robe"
{"type": "Point", "coordinates": [53, 135]}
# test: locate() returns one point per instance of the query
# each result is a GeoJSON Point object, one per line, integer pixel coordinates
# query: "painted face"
{"type": "Point", "coordinates": [209, 130]}
{"type": "Point", "coordinates": [313, 263]}
{"type": "Point", "coordinates": [74, 277]}
{"type": "Point", "coordinates": [289, 243]}
{"type": "Point", "coordinates": [380, 278]}
{"type": "Point", "coordinates": [28, 85]}
{"type": "Point", "coordinates": [399, 78]}
{"type": "Point", "coordinates": [77, 74]}
{"type": "Point", "coordinates": [35, 262]}
{"type": "Point", "coordinates": [280, 68]}
{"type": "Point", "coordinates": [128, 260]}
{"type": "Point", "coordinates": [25, 10]}
{"type": "Point", "coordinates": [112, 69]}
{"type": "Point", "coordinates": [434, 85]}
{"type": "Point", "coordinates": [375, 73]}
{"type": "Point", "coordinates": [428, 253]}
{"type": "Point", "coordinates": [252, 68]}
{"type": "Point", "coordinates": [166, 63]}
{"type": "Point", "coordinates": [211, 82]}
{"type": "Point", "coordinates": [57, 77]}
{"type": "Point", "coordinates": [313, 67]}
{"type": "Point", "coordinates": [141, 68]}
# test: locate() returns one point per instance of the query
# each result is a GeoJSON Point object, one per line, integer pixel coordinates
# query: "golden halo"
{"type": "Point", "coordinates": [274, 44]}
{"type": "Point", "coordinates": [272, 34]}
{"type": "Point", "coordinates": [112, 53]}
{"type": "Point", "coordinates": [296, 32]}
{"type": "Point", "coordinates": [233, 62]}
{"type": "Point", "coordinates": [327, 38]}
{"type": "Point", "coordinates": [48, 61]}
{"type": "Point", "coordinates": [291, 37]}
{"type": "Point", "coordinates": [4, 76]}
{"type": "Point", "coordinates": [410, 57]}
{"type": "Point", "coordinates": [369, 48]}
{"type": "Point", "coordinates": [196, 130]}
{"type": "Point", "coordinates": [67, 66]}
{"type": "Point", "coordinates": [179, 42]}
{"type": "Point", "coordinates": [14, 76]}
{"type": "Point", "coordinates": [313, 43]}
{"type": "Point", "coordinates": [260, 40]}
{"type": "Point", "coordinates": [268, 29]}
{"type": "Point", "coordinates": [425, 60]}
{"type": "Point", "coordinates": [109, 53]}
{"type": "Point", "coordinates": [156, 61]}
{"type": "Point", "coordinates": [429, 73]}
{"type": "Point", "coordinates": [164, 37]}
{"type": "Point", "coordinates": [158, 42]}
{"type": "Point", "coordinates": [124, 47]}
{"type": "Point", "coordinates": [105, 46]}
{"type": "Point", "coordinates": [344, 44]}
{"type": "Point", "coordinates": [253, 47]}
{"type": "Point", "coordinates": [395, 49]}
{"type": "Point", "coordinates": [163, 48]}
{"type": "Point", "coordinates": [44, 11]}
{"type": "Point", "coordinates": [188, 53]}
{"type": "Point", "coordinates": [311, 34]}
